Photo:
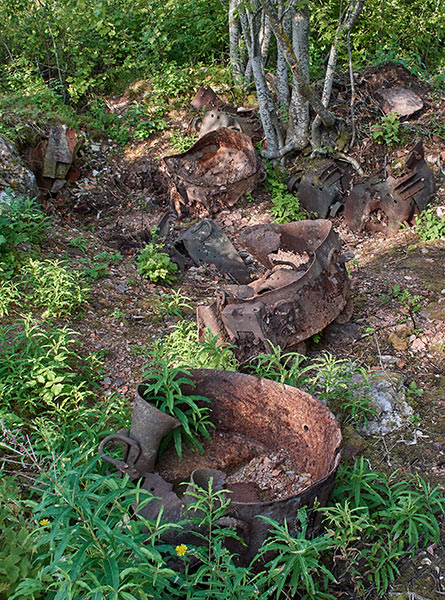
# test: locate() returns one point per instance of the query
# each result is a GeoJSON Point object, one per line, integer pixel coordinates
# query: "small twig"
{"type": "Point", "coordinates": [378, 351]}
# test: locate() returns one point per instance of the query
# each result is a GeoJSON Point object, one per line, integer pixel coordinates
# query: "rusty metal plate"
{"type": "Point", "coordinates": [205, 98]}
{"type": "Point", "coordinates": [305, 289]}
{"type": "Point", "coordinates": [383, 206]}
{"type": "Point", "coordinates": [213, 174]}
{"type": "Point", "coordinates": [321, 192]}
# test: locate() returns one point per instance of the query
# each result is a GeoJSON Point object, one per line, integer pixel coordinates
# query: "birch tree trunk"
{"type": "Point", "coordinates": [286, 120]}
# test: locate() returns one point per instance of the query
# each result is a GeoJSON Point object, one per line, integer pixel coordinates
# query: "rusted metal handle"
{"type": "Point", "coordinates": [119, 464]}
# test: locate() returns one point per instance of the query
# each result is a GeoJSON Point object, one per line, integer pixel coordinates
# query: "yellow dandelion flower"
{"type": "Point", "coordinates": [44, 522]}
{"type": "Point", "coordinates": [181, 550]}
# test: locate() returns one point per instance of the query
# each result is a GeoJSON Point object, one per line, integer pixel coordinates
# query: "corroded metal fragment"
{"type": "Point", "coordinates": [305, 288]}
{"type": "Point", "coordinates": [384, 205]}
{"type": "Point", "coordinates": [213, 174]}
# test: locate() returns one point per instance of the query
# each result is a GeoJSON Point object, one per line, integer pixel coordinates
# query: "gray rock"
{"type": "Point", "coordinates": [60, 152]}
{"type": "Point", "coordinates": [400, 101]}
{"type": "Point", "coordinates": [387, 395]}
{"type": "Point", "coordinates": [14, 173]}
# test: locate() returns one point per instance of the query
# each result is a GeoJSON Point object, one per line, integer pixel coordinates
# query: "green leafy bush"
{"type": "Point", "coordinates": [430, 226]}
{"type": "Point", "coordinates": [21, 221]}
{"type": "Point", "coordinates": [52, 285]}
{"type": "Point", "coordinates": [297, 561]}
{"type": "Point", "coordinates": [156, 265]}
{"type": "Point", "coordinates": [40, 369]}
{"type": "Point", "coordinates": [18, 541]}
{"type": "Point", "coordinates": [387, 131]}
{"type": "Point", "coordinates": [285, 206]}
{"type": "Point", "coordinates": [181, 347]}
{"type": "Point", "coordinates": [340, 383]}
{"type": "Point", "coordinates": [98, 266]}
{"type": "Point", "coordinates": [9, 295]}
{"type": "Point", "coordinates": [162, 388]}
{"type": "Point", "coordinates": [377, 519]}
{"type": "Point", "coordinates": [95, 550]}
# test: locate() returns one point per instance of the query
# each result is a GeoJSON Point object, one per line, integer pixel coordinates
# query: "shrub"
{"type": "Point", "coordinates": [52, 285]}
{"type": "Point", "coordinates": [181, 347]}
{"type": "Point", "coordinates": [21, 221]}
{"type": "Point", "coordinates": [40, 369]}
{"type": "Point", "coordinates": [156, 265]}
{"type": "Point", "coordinates": [285, 206]}
{"type": "Point", "coordinates": [430, 226]}
{"type": "Point", "coordinates": [162, 388]}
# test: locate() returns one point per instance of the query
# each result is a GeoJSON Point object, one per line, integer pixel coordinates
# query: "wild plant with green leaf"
{"type": "Point", "coordinates": [296, 565]}
{"type": "Point", "coordinates": [40, 369]}
{"type": "Point", "coordinates": [162, 387]}
{"type": "Point", "coordinates": [376, 520]}
{"type": "Point", "coordinates": [181, 347]}
{"type": "Point", "coordinates": [21, 221]}
{"type": "Point", "coordinates": [217, 574]}
{"type": "Point", "coordinates": [156, 265]}
{"type": "Point", "coordinates": [429, 225]}
{"type": "Point", "coordinates": [92, 546]}
{"type": "Point", "coordinates": [341, 383]}
{"type": "Point", "coordinates": [52, 285]}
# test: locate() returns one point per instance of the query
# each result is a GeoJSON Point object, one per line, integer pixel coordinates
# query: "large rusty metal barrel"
{"type": "Point", "coordinates": [252, 415]}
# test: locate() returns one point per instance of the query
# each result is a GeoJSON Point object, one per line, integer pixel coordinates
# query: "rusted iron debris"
{"type": "Point", "coordinates": [213, 174]}
{"type": "Point", "coordinates": [253, 417]}
{"type": "Point", "coordinates": [305, 288]}
{"type": "Point", "coordinates": [384, 205]}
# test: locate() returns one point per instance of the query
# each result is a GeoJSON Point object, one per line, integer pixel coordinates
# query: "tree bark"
{"type": "Point", "coordinates": [327, 117]}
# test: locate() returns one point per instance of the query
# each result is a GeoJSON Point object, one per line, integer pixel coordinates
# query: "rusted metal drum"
{"type": "Point", "coordinates": [252, 415]}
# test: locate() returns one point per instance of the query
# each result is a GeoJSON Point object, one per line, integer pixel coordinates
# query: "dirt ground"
{"type": "Point", "coordinates": [120, 196]}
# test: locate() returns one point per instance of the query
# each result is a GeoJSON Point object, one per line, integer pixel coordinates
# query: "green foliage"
{"type": "Point", "coordinates": [429, 226]}
{"type": "Point", "coordinates": [173, 304]}
{"type": "Point", "coordinates": [77, 46]}
{"type": "Point", "coordinates": [98, 266]}
{"type": "Point", "coordinates": [138, 121]}
{"type": "Point", "coordinates": [93, 548]}
{"type": "Point", "coordinates": [340, 383]}
{"type": "Point", "coordinates": [156, 265]}
{"type": "Point", "coordinates": [217, 574]}
{"type": "Point", "coordinates": [21, 221]}
{"type": "Point", "coordinates": [377, 519]}
{"type": "Point", "coordinates": [40, 370]}
{"type": "Point", "coordinates": [409, 33]}
{"type": "Point", "coordinates": [9, 294]}
{"type": "Point", "coordinates": [387, 131]}
{"type": "Point", "coordinates": [296, 565]}
{"type": "Point", "coordinates": [52, 285]}
{"type": "Point", "coordinates": [285, 206]}
{"type": "Point", "coordinates": [162, 388]}
{"type": "Point", "coordinates": [411, 304]}
{"type": "Point", "coordinates": [182, 141]}
{"type": "Point", "coordinates": [181, 347]}
{"type": "Point", "coordinates": [17, 545]}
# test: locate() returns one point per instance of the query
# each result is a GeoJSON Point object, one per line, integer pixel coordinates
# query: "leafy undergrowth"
{"type": "Point", "coordinates": [69, 528]}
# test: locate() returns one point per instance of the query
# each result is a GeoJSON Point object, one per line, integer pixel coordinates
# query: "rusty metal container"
{"type": "Point", "coordinates": [305, 289]}
{"type": "Point", "coordinates": [213, 174]}
{"type": "Point", "coordinates": [274, 416]}
{"type": "Point", "coordinates": [253, 417]}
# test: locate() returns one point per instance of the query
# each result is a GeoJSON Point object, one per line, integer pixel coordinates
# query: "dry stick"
{"type": "Point", "coordinates": [351, 77]}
